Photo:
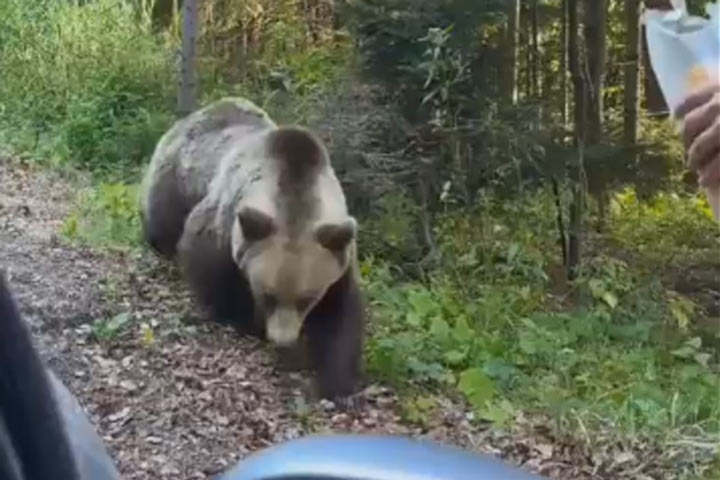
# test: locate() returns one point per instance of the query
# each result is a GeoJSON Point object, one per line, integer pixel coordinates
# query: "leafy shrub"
{"type": "Point", "coordinates": [90, 83]}
{"type": "Point", "coordinates": [105, 216]}
{"type": "Point", "coordinates": [483, 323]}
{"type": "Point", "coordinates": [668, 226]}
{"type": "Point", "coordinates": [504, 358]}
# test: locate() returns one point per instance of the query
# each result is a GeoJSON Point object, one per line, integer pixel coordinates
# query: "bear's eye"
{"type": "Point", "coordinates": [269, 302]}
{"type": "Point", "coordinates": [304, 303]}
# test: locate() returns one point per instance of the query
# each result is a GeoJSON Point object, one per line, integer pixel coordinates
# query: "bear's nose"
{"type": "Point", "coordinates": [283, 328]}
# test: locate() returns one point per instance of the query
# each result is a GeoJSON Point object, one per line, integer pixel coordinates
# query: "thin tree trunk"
{"type": "Point", "coordinates": [577, 208]}
{"type": "Point", "coordinates": [595, 28]}
{"type": "Point", "coordinates": [564, 63]}
{"type": "Point", "coordinates": [527, 27]}
{"type": "Point", "coordinates": [632, 71]}
{"type": "Point", "coordinates": [595, 37]}
{"type": "Point", "coordinates": [562, 235]}
{"type": "Point", "coordinates": [595, 33]}
{"type": "Point", "coordinates": [187, 97]}
{"type": "Point", "coordinates": [534, 49]}
{"type": "Point", "coordinates": [536, 84]}
{"type": "Point", "coordinates": [512, 43]}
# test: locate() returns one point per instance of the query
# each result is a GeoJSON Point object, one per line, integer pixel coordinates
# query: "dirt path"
{"type": "Point", "coordinates": [178, 399]}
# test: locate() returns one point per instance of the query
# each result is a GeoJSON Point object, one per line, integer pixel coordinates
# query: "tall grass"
{"type": "Point", "coordinates": [92, 84]}
{"type": "Point", "coordinates": [89, 85]}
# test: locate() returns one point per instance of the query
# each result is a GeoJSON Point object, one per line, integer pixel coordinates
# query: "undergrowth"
{"type": "Point", "coordinates": [484, 324]}
{"type": "Point", "coordinates": [626, 359]}
{"type": "Point", "coordinates": [92, 86]}
{"type": "Point", "coordinates": [83, 84]}
{"type": "Point", "coordinates": [107, 216]}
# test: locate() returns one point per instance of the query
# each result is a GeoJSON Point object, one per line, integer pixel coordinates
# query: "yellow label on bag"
{"type": "Point", "coordinates": [697, 77]}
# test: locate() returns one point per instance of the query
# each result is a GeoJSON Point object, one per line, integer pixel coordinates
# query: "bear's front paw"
{"type": "Point", "coordinates": [352, 404]}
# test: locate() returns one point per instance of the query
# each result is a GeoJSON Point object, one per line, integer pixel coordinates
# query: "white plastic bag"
{"type": "Point", "coordinates": [684, 53]}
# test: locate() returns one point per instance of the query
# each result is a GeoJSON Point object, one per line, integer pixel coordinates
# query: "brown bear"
{"type": "Point", "coordinates": [257, 219]}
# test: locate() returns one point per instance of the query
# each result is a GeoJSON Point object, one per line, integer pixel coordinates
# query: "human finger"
{"type": "Point", "coordinates": [704, 145]}
{"type": "Point", "coordinates": [697, 98]}
{"type": "Point", "coordinates": [709, 175]}
{"type": "Point", "coordinates": [699, 119]}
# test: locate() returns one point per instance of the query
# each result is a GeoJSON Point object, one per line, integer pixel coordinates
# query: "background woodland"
{"type": "Point", "coordinates": [530, 237]}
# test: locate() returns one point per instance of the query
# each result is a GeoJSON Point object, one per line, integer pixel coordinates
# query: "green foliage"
{"type": "Point", "coordinates": [83, 84]}
{"type": "Point", "coordinates": [389, 230]}
{"type": "Point", "coordinates": [502, 240]}
{"type": "Point", "coordinates": [92, 85]}
{"type": "Point", "coordinates": [107, 216]}
{"type": "Point", "coordinates": [283, 53]}
{"type": "Point", "coordinates": [298, 82]}
{"type": "Point", "coordinates": [418, 409]}
{"type": "Point", "coordinates": [484, 324]}
{"type": "Point", "coordinates": [667, 227]}
{"type": "Point", "coordinates": [108, 329]}
{"type": "Point", "coordinates": [390, 31]}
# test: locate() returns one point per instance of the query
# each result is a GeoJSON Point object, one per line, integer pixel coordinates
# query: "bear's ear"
{"type": "Point", "coordinates": [336, 236]}
{"type": "Point", "coordinates": [255, 225]}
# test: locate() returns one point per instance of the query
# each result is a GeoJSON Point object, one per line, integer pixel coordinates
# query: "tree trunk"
{"type": "Point", "coordinates": [512, 44]}
{"type": "Point", "coordinates": [564, 64]}
{"type": "Point", "coordinates": [536, 68]}
{"type": "Point", "coordinates": [577, 208]}
{"type": "Point", "coordinates": [632, 70]}
{"type": "Point", "coordinates": [187, 96]}
{"type": "Point", "coordinates": [527, 27]}
{"type": "Point", "coordinates": [535, 49]}
{"type": "Point", "coordinates": [596, 45]}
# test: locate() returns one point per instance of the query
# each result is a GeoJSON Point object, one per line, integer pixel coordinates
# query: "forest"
{"type": "Point", "coordinates": [543, 271]}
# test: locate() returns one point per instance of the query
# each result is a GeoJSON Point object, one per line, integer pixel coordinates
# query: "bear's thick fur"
{"type": "Point", "coordinates": [257, 219]}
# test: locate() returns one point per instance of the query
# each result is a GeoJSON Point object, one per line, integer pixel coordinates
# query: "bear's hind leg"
{"type": "Point", "coordinates": [164, 213]}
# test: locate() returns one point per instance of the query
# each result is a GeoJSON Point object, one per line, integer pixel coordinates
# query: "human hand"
{"type": "Point", "coordinates": [701, 132]}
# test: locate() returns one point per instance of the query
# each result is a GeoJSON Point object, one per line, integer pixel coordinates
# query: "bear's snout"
{"type": "Point", "coordinates": [283, 327]}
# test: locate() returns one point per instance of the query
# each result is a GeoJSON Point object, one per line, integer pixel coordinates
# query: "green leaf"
{"type": "Point", "coordinates": [500, 414]}
{"type": "Point", "coordinates": [512, 252]}
{"type": "Point", "coordinates": [678, 311]}
{"type": "Point", "coordinates": [455, 357]}
{"type": "Point", "coordinates": [596, 287]}
{"type": "Point", "coordinates": [425, 403]}
{"type": "Point", "coordinates": [703, 359]}
{"type": "Point", "coordinates": [498, 369]}
{"type": "Point", "coordinates": [462, 331]}
{"type": "Point", "coordinates": [477, 387]}
{"type": "Point", "coordinates": [525, 292]}
{"type": "Point", "coordinates": [118, 322]}
{"type": "Point", "coordinates": [610, 299]}
{"type": "Point", "coordinates": [421, 302]}
{"type": "Point", "coordinates": [683, 352]}
{"type": "Point", "coordinates": [429, 96]}
{"type": "Point", "coordinates": [527, 343]}
{"type": "Point", "coordinates": [439, 329]}
{"type": "Point", "coordinates": [413, 319]}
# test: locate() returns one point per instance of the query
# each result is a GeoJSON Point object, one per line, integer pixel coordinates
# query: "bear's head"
{"type": "Point", "coordinates": [294, 236]}
{"type": "Point", "coordinates": [289, 276]}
